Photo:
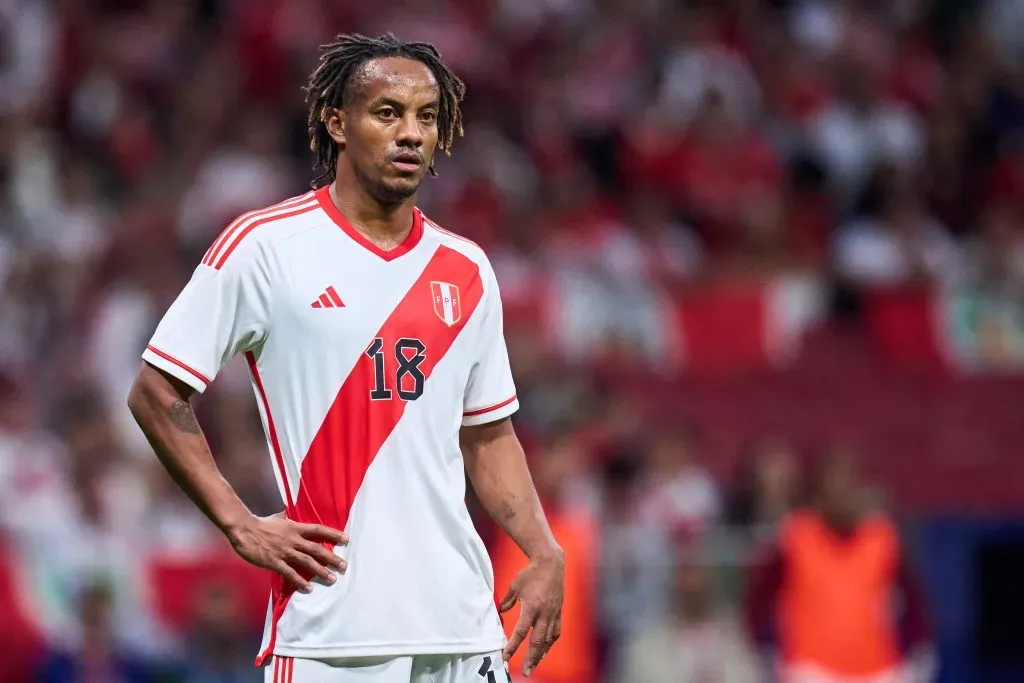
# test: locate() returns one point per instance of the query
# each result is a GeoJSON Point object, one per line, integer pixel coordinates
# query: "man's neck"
{"type": "Point", "coordinates": [387, 226]}
{"type": "Point", "coordinates": [843, 526]}
{"type": "Point", "coordinates": [693, 614]}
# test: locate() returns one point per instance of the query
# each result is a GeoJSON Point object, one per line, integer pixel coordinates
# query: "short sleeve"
{"type": "Point", "coordinates": [490, 392]}
{"type": "Point", "coordinates": [220, 313]}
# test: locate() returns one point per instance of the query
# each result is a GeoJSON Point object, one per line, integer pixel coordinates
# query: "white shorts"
{"type": "Point", "coordinates": [478, 668]}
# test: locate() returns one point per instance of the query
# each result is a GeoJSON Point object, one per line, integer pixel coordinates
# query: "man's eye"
{"type": "Point", "coordinates": [428, 116]}
{"type": "Point", "coordinates": [386, 113]}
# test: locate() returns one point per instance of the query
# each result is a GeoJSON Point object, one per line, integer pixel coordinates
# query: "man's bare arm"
{"type": "Point", "coordinates": [497, 468]}
{"type": "Point", "coordinates": [160, 405]}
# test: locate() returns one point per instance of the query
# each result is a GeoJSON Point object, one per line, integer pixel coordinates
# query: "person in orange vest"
{"type": "Point", "coordinates": [573, 657]}
{"type": "Point", "coordinates": [826, 595]}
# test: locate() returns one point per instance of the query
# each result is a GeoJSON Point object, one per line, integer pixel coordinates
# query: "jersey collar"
{"type": "Point", "coordinates": [323, 195]}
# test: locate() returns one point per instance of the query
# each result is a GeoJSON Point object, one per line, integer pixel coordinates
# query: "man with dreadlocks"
{"type": "Point", "coordinates": [374, 342]}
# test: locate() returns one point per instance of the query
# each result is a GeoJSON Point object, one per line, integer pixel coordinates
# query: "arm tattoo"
{"type": "Point", "coordinates": [508, 513]}
{"type": "Point", "coordinates": [183, 417]}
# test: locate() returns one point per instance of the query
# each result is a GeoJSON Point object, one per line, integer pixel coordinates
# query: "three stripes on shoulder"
{"type": "Point", "coordinates": [218, 253]}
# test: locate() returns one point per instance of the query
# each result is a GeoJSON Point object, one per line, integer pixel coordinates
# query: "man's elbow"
{"type": "Point", "coordinates": [139, 393]}
{"type": "Point", "coordinates": [151, 386]}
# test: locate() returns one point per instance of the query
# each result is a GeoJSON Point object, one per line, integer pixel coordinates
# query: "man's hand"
{"type": "Point", "coordinates": [289, 548]}
{"type": "Point", "coordinates": [539, 589]}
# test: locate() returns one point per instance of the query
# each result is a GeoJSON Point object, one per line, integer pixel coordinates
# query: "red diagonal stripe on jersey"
{"type": "Point", "coordinates": [355, 426]}
{"type": "Point", "coordinates": [325, 302]}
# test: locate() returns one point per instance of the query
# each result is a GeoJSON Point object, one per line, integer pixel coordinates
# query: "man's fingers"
{"type": "Point", "coordinates": [322, 555]}
{"type": "Point", "coordinates": [539, 644]}
{"type": "Point", "coordinates": [508, 601]}
{"type": "Point", "coordinates": [285, 570]}
{"type": "Point", "coordinates": [319, 532]}
{"type": "Point", "coordinates": [518, 636]}
{"type": "Point", "coordinates": [303, 561]}
{"type": "Point", "coordinates": [556, 629]}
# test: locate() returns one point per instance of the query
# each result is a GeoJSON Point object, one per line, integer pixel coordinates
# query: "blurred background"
{"type": "Point", "coordinates": [754, 254]}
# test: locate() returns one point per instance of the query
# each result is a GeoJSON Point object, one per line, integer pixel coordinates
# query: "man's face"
{"type": "Point", "coordinates": [840, 489]}
{"type": "Point", "coordinates": [388, 128]}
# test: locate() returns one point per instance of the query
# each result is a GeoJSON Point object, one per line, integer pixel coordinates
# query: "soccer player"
{"type": "Point", "coordinates": [375, 346]}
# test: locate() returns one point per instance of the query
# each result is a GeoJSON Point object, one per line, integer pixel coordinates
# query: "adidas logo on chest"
{"type": "Point", "coordinates": [329, 298]}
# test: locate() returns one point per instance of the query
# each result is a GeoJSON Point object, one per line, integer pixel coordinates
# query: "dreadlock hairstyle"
{"type": "Point", "coordinates": [327, 89]}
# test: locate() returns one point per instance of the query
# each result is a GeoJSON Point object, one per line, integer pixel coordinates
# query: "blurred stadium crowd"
{"type": "Point", "coordinates": [711, 222]}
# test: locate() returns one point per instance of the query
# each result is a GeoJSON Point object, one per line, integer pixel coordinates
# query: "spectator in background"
{"type": "Point", "coordinates": [995, 257]}
{"type": "Point", "coordinates": [1001, 19]}
{"type": "Point", "coordinates": [555, 396]}
{"type": "Point", "coordinates": [172, 522]}
{"type": "Point", "coordinates": [681, 496]}
{"type": "Point", "coordinates": [825, 596]}
{"type": "Point", "coordinates": [900, 244]}
{"type": "Point", "coordinates": [72, 228]}
{"type": "Point", "coordinates": [97, 654]}
{"type": "Point", "coordinates": [252, 172]}
{"type": "Point", "coordinates": [140, 278]}
{"type": "Point", "coordinates": [573, 658]}
{"type": "Point", "coordinates": [697, 641]}
{"type": "Point", "coordinates": [701, 60]}
{"type": "Point", "coordinates": [987, 317]}
{"type": "Point", "coordinates": [219, 645]}
{"type": "Point", "coordinates": [767, 486]}
{"type": "Point", "coordinates": [951, 178]}
{"type": "Point", "coordinates": [671, 252]}
{"type": "Point", "coordinates": [722, 169]}
{"type": "Point", "coordinates": [862, 129]}
{"type": "Point", "coordinates": [607, 287]}
{"type": "Point", "coordinates": [28, 31]}
{"type": "Point", "coordinates": [636, 554]}
{"type": "Point", "coordinates": [94, 515]}
{"type": "Point", "coordinates": [31, 463]}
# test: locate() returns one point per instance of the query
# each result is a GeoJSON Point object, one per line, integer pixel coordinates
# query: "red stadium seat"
{"type": "Point", "coordinates": [903, 324]}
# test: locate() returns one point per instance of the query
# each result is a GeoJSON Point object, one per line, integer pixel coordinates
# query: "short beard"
{"type": "Point", "coordinates": [382, 193]}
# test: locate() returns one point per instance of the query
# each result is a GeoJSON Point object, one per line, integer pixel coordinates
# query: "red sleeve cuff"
{"type": "Point", "coordinates": [490, 413]}
{"type": "Point", "coordinates": [176, 368]}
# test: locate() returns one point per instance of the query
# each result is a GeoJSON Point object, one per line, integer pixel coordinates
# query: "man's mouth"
{"type": "Point", "coordinates": [407, 162]}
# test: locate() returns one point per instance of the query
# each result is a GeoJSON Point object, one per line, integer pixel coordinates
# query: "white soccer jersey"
{"type": "Point", "coordinates": [365, 364]}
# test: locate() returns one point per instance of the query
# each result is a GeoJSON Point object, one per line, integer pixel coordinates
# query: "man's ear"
{"type": "Point", "coordinates": [334, 120]}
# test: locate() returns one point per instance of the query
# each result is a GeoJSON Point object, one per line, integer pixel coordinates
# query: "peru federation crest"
{"type": "Point", "coordinates": [447, 305]}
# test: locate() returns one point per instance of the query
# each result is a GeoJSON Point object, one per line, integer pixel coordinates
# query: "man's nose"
{"type": "Point", "coordinates": [409, 133]}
